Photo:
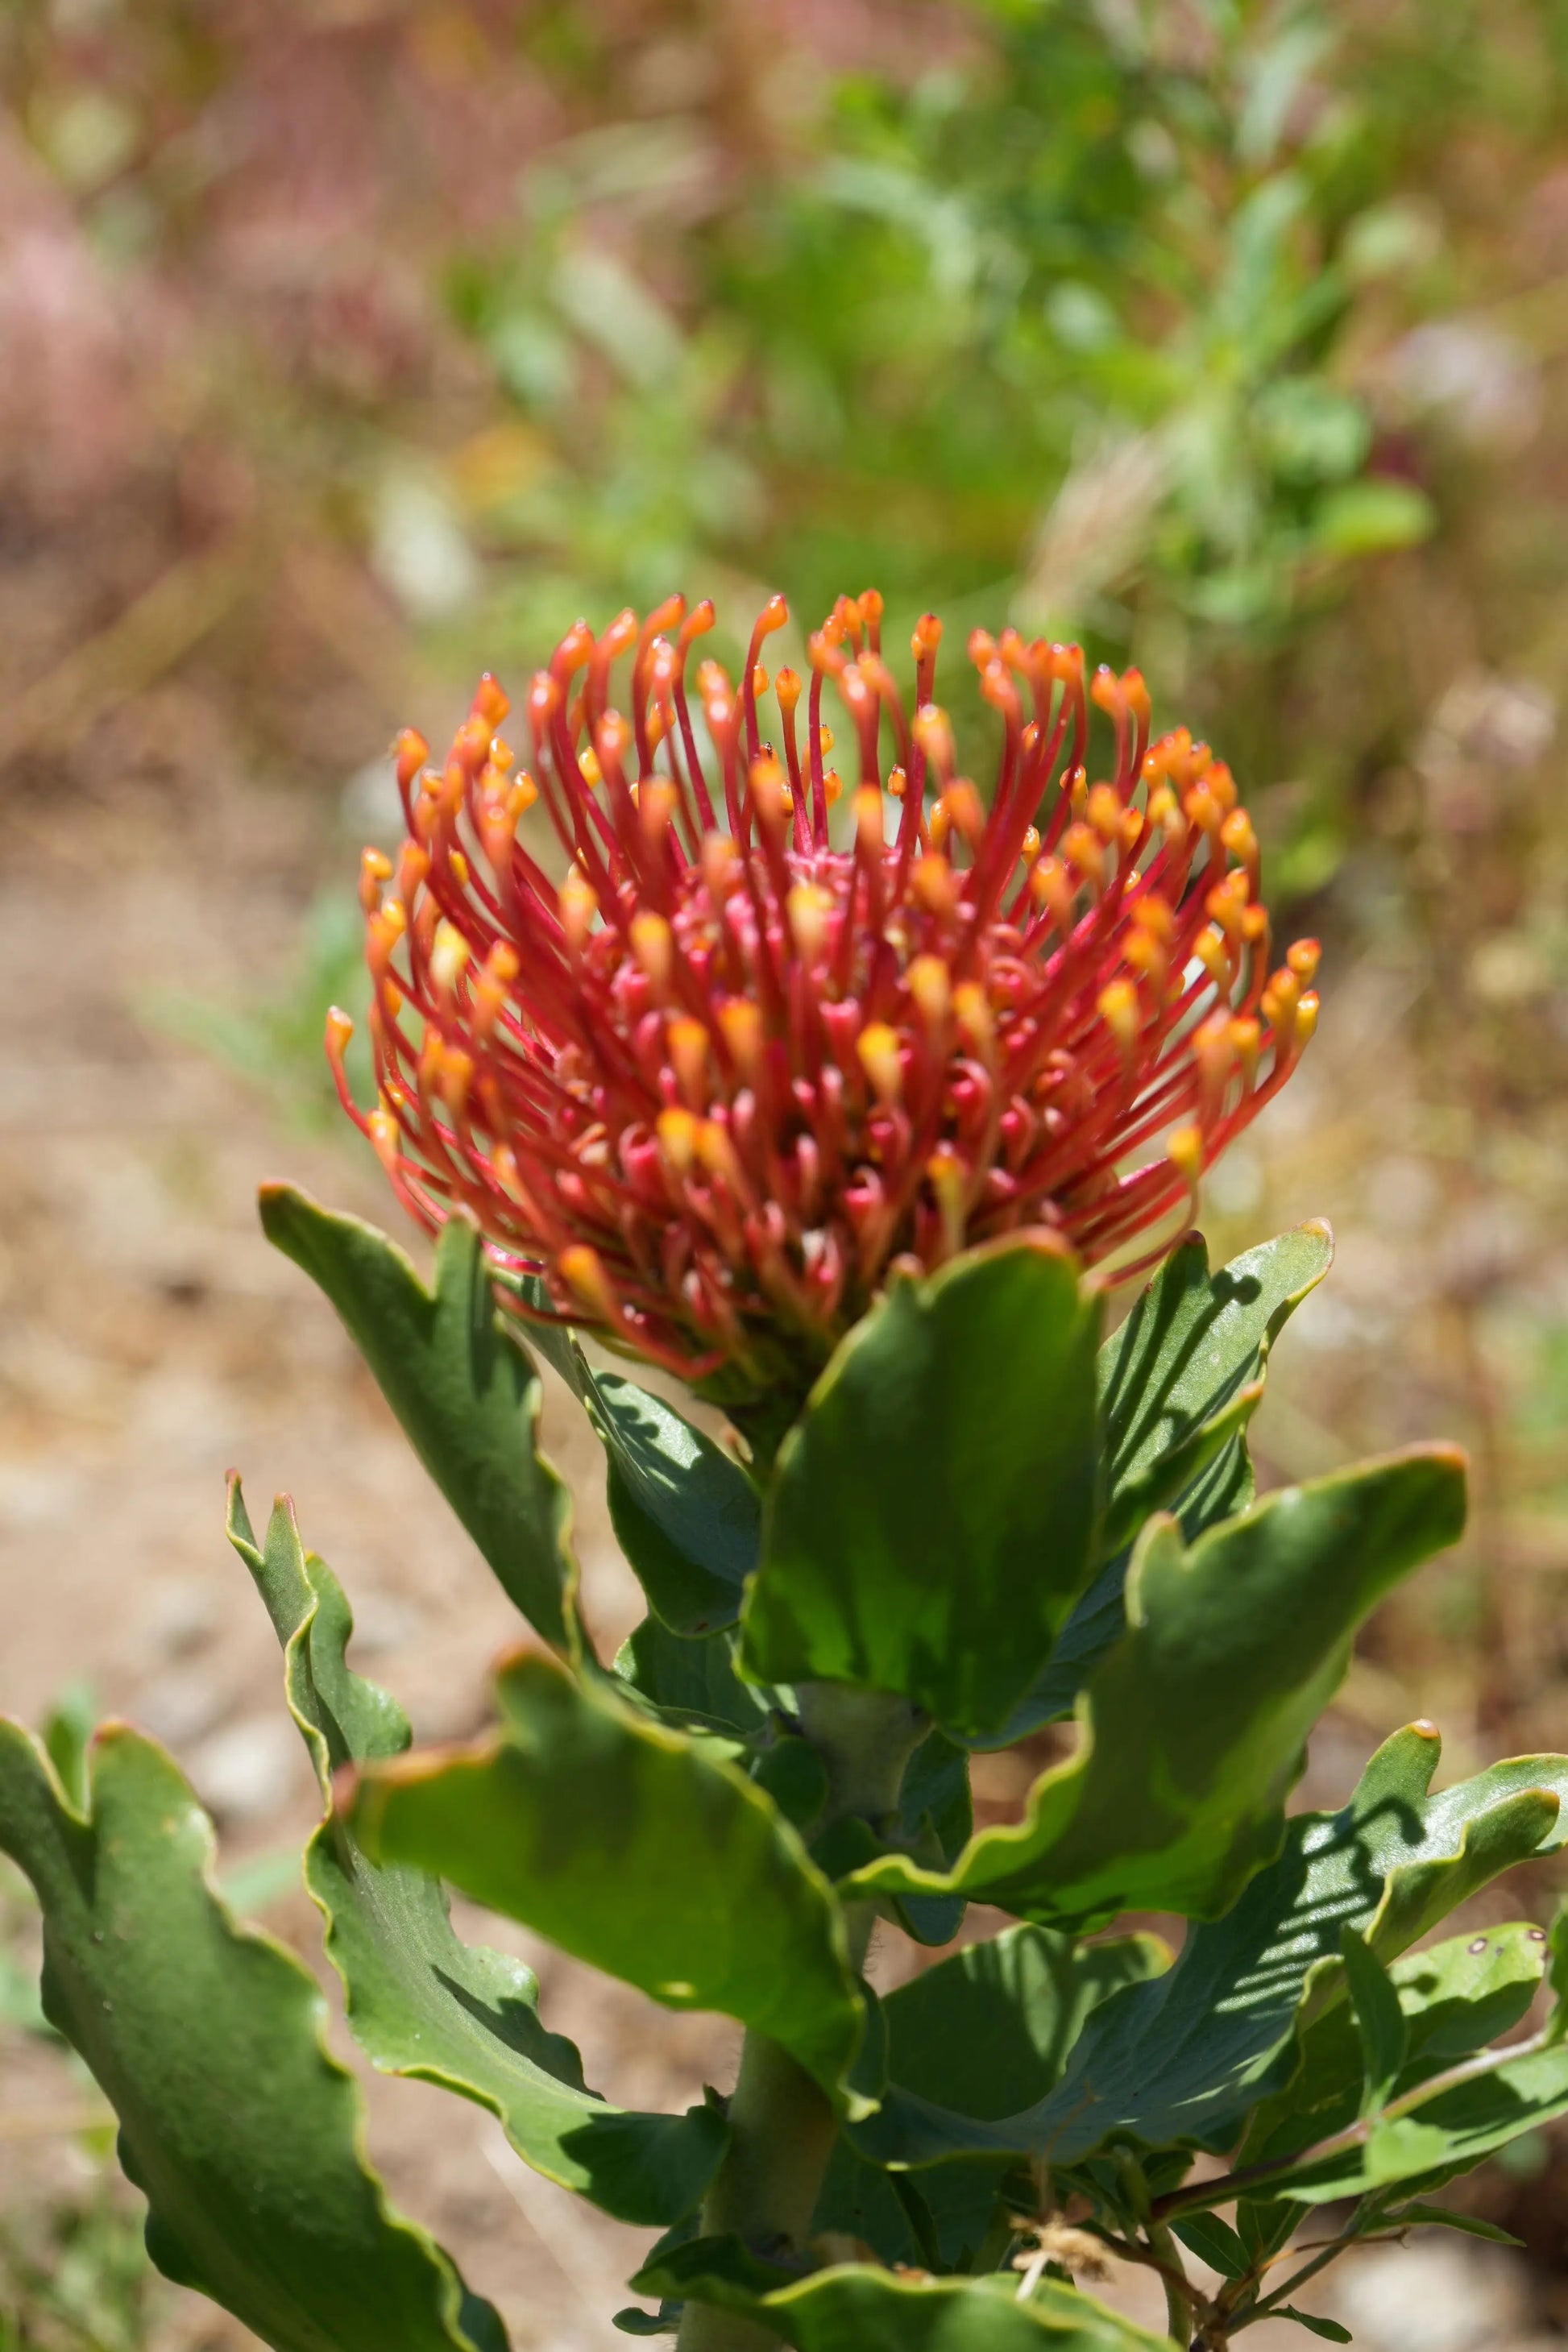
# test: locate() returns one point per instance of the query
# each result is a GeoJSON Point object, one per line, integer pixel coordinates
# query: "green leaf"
{"type": "Point", "coordinates": [1215, 2242]}
{"type": "Point", "coordinates": [935, 1809]}
{"type": "Point", "coordinates": [854, 2307]}
{"type": "Point", "coordinates": [1450, 2130]}
{"type": "Point", "coordinates": [1181, 2061]}
{"type": "Point", "coordinates": [419, 2001]}
{"type": "Point", "coordinates": [631, 1846]}
{"type": "Point", "coordinates": [1454, 1998]}
{"type": "Point", "coordinates": [67, 1736]}
{"type": "Point", "coordinates": [242, 2131]}
{"type": "Point", "coordinates": [686, 1516]}
{"type": "Point", "coordinates": [1330, 2329]}
{"type": "Point", "coordinates": [979, 2035]}
{"type": "Point", "coordinates": [1421, 2216]}
{"type": "Point", "coordinates": [463, 1388]}
{"type": "Point", "coordinates": [1185, 1371]}
{"type": "Point", "coordinates": [932, 1513]}
{"type": "Point", "coordinates": [1220, 1491]}
{"type": "Point", "coordinates": [1373, 518]}
{"type": "Point", "coordinates": [1379, 2021]}
{"type": "Point", "coordinates": [989, 2030]}
{"type": "Point", "coordinates": [690, 1682]}
{"type": "Point", "coordinates": [1557, 1975]}
{"type": "Point", "coordinates": [1192, 1727]}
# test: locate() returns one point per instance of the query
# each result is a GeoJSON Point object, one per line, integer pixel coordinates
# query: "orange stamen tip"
{"type": "Point", "coordinates": [340, 1029]}
{"type": "Point", "coordinates": [934, 884]}
{"type": "Point", "coordinates": [375, 868]}
{"type": "Point", "coordinates": [1104, 811]}
{"type": "Point", "coordinates": [1184, 1151]}
{"type": "Point", "coordinates": [930, 984]}
{"type": "Point", "coordinates": [1303, 959]}
{"type": "Point", "coordinates": [1239, 837]}
{"type": "Point", "coordinates": [678, 1132]}
{"type": "Point", "coordinates": [786, 687]}
{"type": "Point", "coordinates": [721, 864]}
{"type": "Point", "coordinates": [810, 906]}
{"type": "Point", "coordinates": [740, 1027]}
{"type": "Point", "coordinates": [449, 953]}
{"type": "Point", "coordinates": [975, 1017]}
{"type": "Point", "coordinates": [578, 907]}
{"type": "Point", "coordinates": [965, 811]}
{"type": "Point", "coordinates": [583, 1270]}
{"type": "Point", "coordinates": [877, 1048]}
{"type": "Point", "coordinates": [1117, 1006]}
{"type": "Point", "coordinates": [688, 1042]}
{"type": "Point", "coordinates": [933, 731]}
{"type": "Point", "coordinates": [653, 944]}
{"type": "Point", "coordinates": [411, 752]}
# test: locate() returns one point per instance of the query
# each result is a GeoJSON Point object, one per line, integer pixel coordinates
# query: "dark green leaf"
{"type": "Point", "coordinates": [1454, 1998]}
{"type": "Point", "coordinates": [1429, 2135]}
{"type": "Point", "coordinates": [935, 1814]}
{"type": "Point", "coordinates": [977, 2035]}
{"type": "Point", "coordinates": [243, 2132]}
{"type": "Point", "coordinates": [1215, 2242]}
{"type": "Point", "coordinates": [854, 2307]}
{"type": "Point", "coordinates": [1330, 2329]}
{"type": "Point", "coordinates": [1193, 1725]}
{"type": "Point", "coordinates": [419, 2001]}
{"type": "Point", "coordinates": [989, 2030]}
{"type": "Point", "coordinates": [1222, 1489]}
{"type": "Point", "coordinates": [691, 1682]}
{"type": "Point", "coordinates": [1379, 2021]}
{"type": "Point", "coordinates": [686, 1516]}
{"type": "Point", "coordinates": [933, 1514]}
{"type": "Point", "coordinates": [1184, 1371]}
{"type": "Point", "coordinates": [794, 1775]}
{"type": "Point", "coordinates": [1180, 2062]}
{"type": "Point", "coordinates": [631, 1846]}
{"type": "Point", "coordinates": [459, 1382]}
{"type": "Point", "coordinates": [1437, 2217]}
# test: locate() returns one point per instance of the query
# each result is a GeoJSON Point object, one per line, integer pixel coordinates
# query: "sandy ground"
{"type": "Point", "coordinates": [150, 1339]}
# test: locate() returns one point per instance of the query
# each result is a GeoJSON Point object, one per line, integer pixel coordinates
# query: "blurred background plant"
{"type": "Point", "coordinates": [351, 347]}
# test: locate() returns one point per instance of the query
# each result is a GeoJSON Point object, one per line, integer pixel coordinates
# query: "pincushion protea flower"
{"type": "Point", "coordinates": [749, 1053]}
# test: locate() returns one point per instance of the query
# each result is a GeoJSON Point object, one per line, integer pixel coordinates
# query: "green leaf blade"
{"type": "Point", "coordinates": [1379, 2021]}
{"type": "Point", "coordinates": [419, 2001]}
{"type": "Point", "coordinates": [244, 2133]}
{"type": "Point", "coordinates": [853, 2307]}
{"type": "Point", "coordinates": [1174, 1800]}
{"type": "Point", "coordinates": [459, 1382]}
{"type": "Point", "coordinates": [1182, 1374]}
{"type": "Point", "coordinates": [628, 1846]}
{"type": "Point", "coordinates": [956, 1423]}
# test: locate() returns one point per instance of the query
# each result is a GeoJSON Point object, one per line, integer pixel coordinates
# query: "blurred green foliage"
{"type": "Point", "coordinates": [1067, 311]}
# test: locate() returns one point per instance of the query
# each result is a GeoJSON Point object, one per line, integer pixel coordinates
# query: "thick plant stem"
{"type": "Point", "coordinates": [782, 2124]}
{"type": "Point", "coordinates": [781, 2130]}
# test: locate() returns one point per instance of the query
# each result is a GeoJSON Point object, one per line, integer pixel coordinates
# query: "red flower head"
{"type": "Point", "coordinates": [750, 1052]}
